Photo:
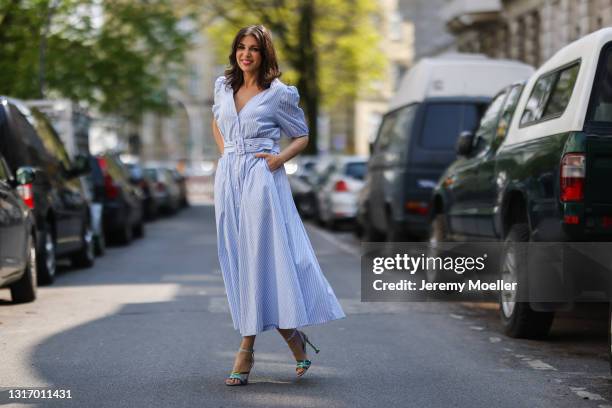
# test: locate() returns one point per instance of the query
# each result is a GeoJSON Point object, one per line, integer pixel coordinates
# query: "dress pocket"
{"type": "Point", "coordinates": [266, 162]}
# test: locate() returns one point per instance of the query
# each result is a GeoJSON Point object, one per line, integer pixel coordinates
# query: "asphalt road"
{"type": "Point", "coordinates": [148, 326]}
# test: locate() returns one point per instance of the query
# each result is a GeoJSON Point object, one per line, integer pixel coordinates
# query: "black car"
{"type": "Point", "coordinates": [415, 144]}
{"type": "Point", "coordinates": [58, 201]}
{"type": "Point", "coordinates": [181, 180]}
{"type": "Point", "coordinates": [123, 216]}
{"type": "Point", "coordinates": [140, 178]}
{"type": "Point", "coordinates": [166, 189]}
{"type": "Point", "coordinates": [17, 234]}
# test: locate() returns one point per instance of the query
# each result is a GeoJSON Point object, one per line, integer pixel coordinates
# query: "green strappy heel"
{"type": "Point", "coordinates": [303, 365]}
{"type": "Point", "coordinates": [242, 377]}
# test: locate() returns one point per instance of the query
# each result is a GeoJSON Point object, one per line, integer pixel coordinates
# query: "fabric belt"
{"type": "Point", "coordinates": [252, 145]}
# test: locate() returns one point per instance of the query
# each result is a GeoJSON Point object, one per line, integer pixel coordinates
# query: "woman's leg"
{"type": "Point", "coordinates": [294, 342]}
{"type": "Point", "coordinates": [243, 360]}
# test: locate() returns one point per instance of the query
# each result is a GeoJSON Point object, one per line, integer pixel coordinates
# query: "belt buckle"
{"type": "Point", "coordinates": [240, 148]}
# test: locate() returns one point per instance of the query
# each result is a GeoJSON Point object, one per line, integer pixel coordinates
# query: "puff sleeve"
{"type": "Point", "coordinates": [219, 83]}
{"type": "Point", "coordinates": [290, 116]}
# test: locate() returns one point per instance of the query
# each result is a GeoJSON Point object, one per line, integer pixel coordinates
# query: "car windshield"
{"type": "Point", "coordinates": [151, 173]}
{"type": "Point", "coordinates": [444, 122]}
{"type": "Point", "coordinates": [600, 108]}
{"type": "Point", "coordinates": [356, 170]}
{"type": "Point", "coordinates": [135, 171]}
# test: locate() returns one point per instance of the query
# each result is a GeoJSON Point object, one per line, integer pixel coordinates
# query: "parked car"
{"type": "Point", "coordinates": [138, 177]}
{"type": "Point", "coordinates": [300, 171]}
{"type": "Point", "coordinates": [61, 210]}
{"type": "Point", "coordinates": [337, 197]}
{"type": "Point", "coordinates": [436, 100]}
{"type": "Point", "coordinates": [166, 189]}
{"type": "Point", "coordinates": [303, 195]}
{"type": "Point", "coordinates": [17, 234]}
{"type": "Point", "coordinates": [202, 168]}
{"type": "Point", "coordinates": [538, 170]}
{"type": "Point", "coordinates": [122, 202]}
{"type": "Point", "coordinates": [181, 181]}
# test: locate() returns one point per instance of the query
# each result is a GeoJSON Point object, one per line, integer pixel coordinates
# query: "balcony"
{"type": "Point", "coordinates": [463, 14]}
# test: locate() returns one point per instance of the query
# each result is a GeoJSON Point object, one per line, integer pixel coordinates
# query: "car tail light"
{"type": "Point", "coordinates": [110, 188]}
{"type": "Point", "coordinates": [341, 186]}
{"type": "Point", "coordinates": [417, 207]}
{"type": "Point", "coordinates": [27, 194]}
{"type": "Point", "coordinates": [571, 219]}
{"type": "Point", "coordinates": [572, 177]}
{"type": "Point", "coordinates": [102, 163]}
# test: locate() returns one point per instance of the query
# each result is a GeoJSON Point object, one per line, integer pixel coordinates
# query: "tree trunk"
{"type": "Point", "coordinates": [307, 66]}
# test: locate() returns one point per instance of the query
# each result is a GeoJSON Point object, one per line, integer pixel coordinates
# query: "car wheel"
{"type": "Point", "coordinates": [321, 216]}
{"type": "Point", "coordinates": [124, 236]}
{"type": "Point", "coordinates": [610, 336]}
{"type": "Point", "coordinates": [370, 233]}
{"type": "Point", "coordinates": [24, 290]}
{"type": "Point", "coordinates": [358, 229]}
{"type": "Point", "coordinates": [139, 229]}
{"type": "Point", "coordinates": [518, 318]}
{"type": "Point", "coordinates": [305, 207]}
{"type": "Point", "coordinates": [46, 265]}
{"type": "Point", "coordinates": [86, 256]}
{"type": "Point", "coordinates": [332, 224]}
{"type": "Point", "coordinates": [100, 244]}
{"type": "Point", "coordinates": [438, 234]}
{"type": "Point", "coordinates": [395, 233]}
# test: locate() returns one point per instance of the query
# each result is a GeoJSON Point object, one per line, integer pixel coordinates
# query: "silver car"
{"type": "Point", "coordinates": [339, 188]}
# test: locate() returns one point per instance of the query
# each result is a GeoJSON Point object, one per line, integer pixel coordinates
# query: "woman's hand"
{"type": "Point", "coordinates": [274, 161]}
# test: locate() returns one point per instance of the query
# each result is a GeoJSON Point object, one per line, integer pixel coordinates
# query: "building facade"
{"type": "Point", "coordinates": [430, 34]}
{"type": "Point", "coordinates": [527, 30]}
{"type": "Point", "coordinates": [352, 125]}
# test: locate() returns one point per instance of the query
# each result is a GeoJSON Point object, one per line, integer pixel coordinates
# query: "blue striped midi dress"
{"type": "Point", "coordinates": [270, 271]}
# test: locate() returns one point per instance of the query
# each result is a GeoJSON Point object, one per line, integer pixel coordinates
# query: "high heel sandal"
{"type": "Point", "coordinates": [303, 365]}
{"type": "Point", "coordinates": [242, 377]}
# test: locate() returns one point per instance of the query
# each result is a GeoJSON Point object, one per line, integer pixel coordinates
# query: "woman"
{"type": "Point", "coordinates": [271, 274]}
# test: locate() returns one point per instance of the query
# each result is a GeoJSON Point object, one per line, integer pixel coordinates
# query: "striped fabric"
{"type": "Point", "coordinates": [271, 274]}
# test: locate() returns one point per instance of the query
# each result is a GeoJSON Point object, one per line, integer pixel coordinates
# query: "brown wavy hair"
{"type": "Point", "coordinates": [268, 71]}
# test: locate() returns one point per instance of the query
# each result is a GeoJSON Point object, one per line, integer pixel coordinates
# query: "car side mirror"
{"type": "Point", "coordinates": [25, 175]}
{"type": "Point", "coordinates": [465, 143]}
{"type": "Point", "coordinates": [80, 166]}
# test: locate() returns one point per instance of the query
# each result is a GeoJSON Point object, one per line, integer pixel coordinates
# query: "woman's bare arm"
{"type": "Point", "coordinates": [218, 137]}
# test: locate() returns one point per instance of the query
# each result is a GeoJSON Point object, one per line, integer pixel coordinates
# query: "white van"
{"type": "Point", "coordinates": [437, 100]}
{"type": "Point", "coordinates": [456, 75]}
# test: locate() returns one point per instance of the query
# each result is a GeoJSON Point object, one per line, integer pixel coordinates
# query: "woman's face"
{"type": "Point", "coordinates": [248, 54]}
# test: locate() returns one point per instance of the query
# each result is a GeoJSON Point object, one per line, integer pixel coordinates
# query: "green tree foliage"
{"type": "Point", "coordinates": [328, 48]}
{"type": "Point", "coordinates": [117, 55]}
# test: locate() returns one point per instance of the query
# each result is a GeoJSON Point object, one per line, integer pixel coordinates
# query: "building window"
{"type": "Point", "coordinates": [520, 38]}
{"type": "Point", "coordinates": [395, 26]}
{"type": "Point", "coordinates": [534, 57]}
{"type": "Point", "coordinates": [400, 70]}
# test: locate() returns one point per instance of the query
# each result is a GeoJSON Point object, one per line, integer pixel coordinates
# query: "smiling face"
{"type": "Point", "coordinates": [248, 54]}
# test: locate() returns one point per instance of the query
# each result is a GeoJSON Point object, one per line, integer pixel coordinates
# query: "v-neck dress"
{"type": "Point", "coordinates": [271, 274]}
